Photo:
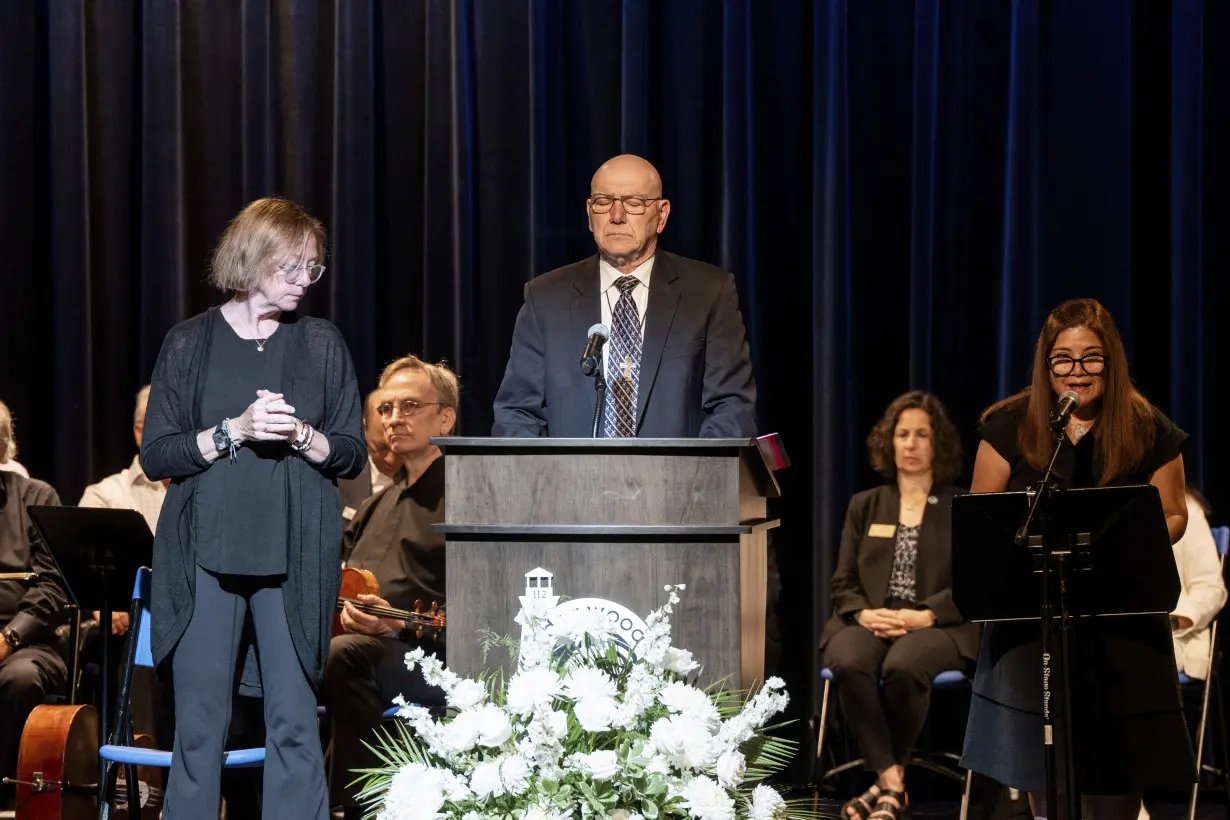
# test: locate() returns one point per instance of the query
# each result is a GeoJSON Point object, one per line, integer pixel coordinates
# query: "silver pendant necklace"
{"type": "Point", "coordinates": [260, 344]}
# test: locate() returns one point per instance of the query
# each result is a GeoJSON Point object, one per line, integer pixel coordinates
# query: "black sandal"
{"type": "Point", "coordinates": [885, 810]}
{"type": "Point", "coordinates": [863, 805]}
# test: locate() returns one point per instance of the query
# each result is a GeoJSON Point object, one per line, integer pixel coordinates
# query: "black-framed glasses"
{"type": "Point", "coordinates": [1064, 365]}
{"type": "Point", "coordinates": [289, 269]}
{"type": "Point", "coordinates": [408, 407]}
{"type": "Point", "coordinates": [601, 203]}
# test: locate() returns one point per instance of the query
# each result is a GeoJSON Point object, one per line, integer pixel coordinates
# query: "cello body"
{"type": "Point", "coordinates": [57, 764]}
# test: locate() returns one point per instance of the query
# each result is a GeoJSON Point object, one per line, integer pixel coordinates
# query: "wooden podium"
{"type": "Point", "coordinates": [614, 519]}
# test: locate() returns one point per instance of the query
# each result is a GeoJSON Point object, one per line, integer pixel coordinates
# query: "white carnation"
{"type": "Point", "coordinates": [683, 740]}
{"type": "Point", "coordinates": [494, 726]}
{"type": "Point", "coordinates": [706, 800]}
{"type": "Point", "coordinates": [730, 769]}
{"type": "Point", "coordinates": [529, 688]}
{"type": "Point", "coordinates": [680, 661]}
{"type": "Point", "coordinates": [515, 774]}
{"type": "Point", "coordinates": [544, 813]}
{"type": "Point", "coordinates": [466, 693]}
{"type": "Point", "coordinates": [767, 804]}
{"type": "Point", "coordinates": [416, 792]}
{"type": "Point", "coordinates": [691, 702]}
{"type": "Point", "coordinates": [583, 623]}
{"type": "Point", "coordinates": [599, 765]}
{"type": "Point", "coordinates": [485, 779]}
{"type": "Point", "coordinates": [587, 682]}
{"type": "Point", "coordinates": [596, 714]}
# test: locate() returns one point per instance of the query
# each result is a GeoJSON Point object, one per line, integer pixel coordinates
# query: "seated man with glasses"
{"type": "Point", "coordinates": [676, 361]}
{"type": "Point", "coordinates": [391, 536]}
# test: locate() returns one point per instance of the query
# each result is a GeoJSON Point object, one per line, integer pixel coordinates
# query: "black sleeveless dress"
{"type": "Point", "coordinates": [1129, 730]}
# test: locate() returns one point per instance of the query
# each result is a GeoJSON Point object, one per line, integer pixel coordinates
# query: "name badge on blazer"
{"type": "Point", "coordinates": [882, 531]}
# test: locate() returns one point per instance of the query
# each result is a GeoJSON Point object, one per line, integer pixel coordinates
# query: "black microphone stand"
{"type": "Point", "coordinates": [1046, 490]}
{"type": "Point", "coordinates": [600, 389]}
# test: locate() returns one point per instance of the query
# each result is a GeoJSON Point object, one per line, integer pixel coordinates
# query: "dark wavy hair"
{"type": "Point", "coordinates": [945, 443]}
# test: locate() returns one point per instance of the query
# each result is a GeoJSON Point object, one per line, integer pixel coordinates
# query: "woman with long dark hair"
{"type": "Point", "coordinates": [1128, 722]}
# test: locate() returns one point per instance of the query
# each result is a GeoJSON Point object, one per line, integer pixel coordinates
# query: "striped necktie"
{"type": "Point", "coordinates": [623, 374]}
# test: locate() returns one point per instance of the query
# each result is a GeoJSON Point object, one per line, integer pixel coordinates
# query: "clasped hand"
{"type": "Point", "coordinates": [269, 418]}
{"type": "Point", "coordinates": [893, 623]}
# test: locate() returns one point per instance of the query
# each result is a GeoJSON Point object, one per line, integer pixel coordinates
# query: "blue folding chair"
{"type": "Point", "coordinates": [943, 763]}
{"type": "Point", "coordinates": [122, 751]}
{"type": "Point", "coordinates": [1221, 536]}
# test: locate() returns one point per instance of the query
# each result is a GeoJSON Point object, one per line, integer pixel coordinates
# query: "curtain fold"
{"type": "Point", "coordinates": [902, 190]}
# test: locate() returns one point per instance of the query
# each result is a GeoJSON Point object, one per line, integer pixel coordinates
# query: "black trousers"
{"type": "Point", "coordinates": [362, 677]}
{"type": "Point", "coordinates": [884, 687]}
{"type": "Point", "coordinates": [203, 672]}
{"type": "Point", "coordinates": [26, 677]}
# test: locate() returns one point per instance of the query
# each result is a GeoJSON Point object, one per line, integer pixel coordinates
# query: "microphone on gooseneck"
{"type": "Point", "coordinates": [591, 359]}
{"type": "Point", "coordinates": [1068, 403]}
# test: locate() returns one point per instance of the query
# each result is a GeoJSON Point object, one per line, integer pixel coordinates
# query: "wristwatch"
{"type": "Point", "coordinates": [12, 638]}
{"type": "Point", "coordinates": [223, 443]}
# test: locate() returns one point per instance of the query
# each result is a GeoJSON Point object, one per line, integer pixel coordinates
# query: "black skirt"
{"type": "Point", "coordinates": [1128, 727]}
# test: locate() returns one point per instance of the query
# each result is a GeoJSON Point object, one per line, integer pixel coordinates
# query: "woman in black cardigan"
{"type": "Point", "coordinates": [894, 625]}
{"type": "Point", "coordinates": [253, 413]}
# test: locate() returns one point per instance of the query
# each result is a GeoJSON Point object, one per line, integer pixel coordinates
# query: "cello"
{"type": "Point", "coordinates": [356, 582]}
{"type": "Point", "coordinates": [57, 769]}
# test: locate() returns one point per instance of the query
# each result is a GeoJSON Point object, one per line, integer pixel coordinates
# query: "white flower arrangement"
{"type": "Point", "coordinates": [581, 731]}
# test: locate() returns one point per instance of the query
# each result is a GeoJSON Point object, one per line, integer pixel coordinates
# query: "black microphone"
{"type": "Point", "coordinates": [1068, 403]}
{"type": "Point", "coordinates": [591, 359]}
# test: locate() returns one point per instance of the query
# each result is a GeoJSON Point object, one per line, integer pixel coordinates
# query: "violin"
{"type": "Point", "coordinates": [356, 582]}
{"type": "Point", "coordinates": [57, 769]}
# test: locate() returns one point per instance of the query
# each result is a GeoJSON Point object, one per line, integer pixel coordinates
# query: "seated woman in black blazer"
{"type": "Point", "coordinates": [894, 625]}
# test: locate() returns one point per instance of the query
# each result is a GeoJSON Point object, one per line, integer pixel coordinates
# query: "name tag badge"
{"type": "Point", "coordinates": [883, 531]}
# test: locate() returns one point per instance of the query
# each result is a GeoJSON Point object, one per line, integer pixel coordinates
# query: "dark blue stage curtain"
{"type": "Point", "coordinates": [903, 190]}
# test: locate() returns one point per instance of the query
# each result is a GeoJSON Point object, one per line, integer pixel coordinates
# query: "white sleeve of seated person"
{"type": "Point", "coordinates": [1203, 591]}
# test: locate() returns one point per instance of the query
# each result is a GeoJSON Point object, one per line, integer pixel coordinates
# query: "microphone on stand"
{"type": "Point", "coordinates": [591, 359]}
{"type": "Point", "coordinates": [1068, 403]}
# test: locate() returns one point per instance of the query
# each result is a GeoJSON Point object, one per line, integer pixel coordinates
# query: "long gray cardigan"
{"type": "Point", "coordinates": [318, 379]}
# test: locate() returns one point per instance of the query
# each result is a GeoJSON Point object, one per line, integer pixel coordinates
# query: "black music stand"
{"type": "Point", "coordinates": [97, 552]}
{"type": "Point", "coordinates": [1085, 557]}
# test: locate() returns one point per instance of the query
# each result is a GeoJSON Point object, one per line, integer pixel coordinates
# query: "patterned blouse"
{"type": "Point", "coordinates": [901, 587]}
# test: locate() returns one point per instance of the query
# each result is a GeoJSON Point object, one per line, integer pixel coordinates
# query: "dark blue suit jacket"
{"type": "Point", "coordinates": [696, 371]}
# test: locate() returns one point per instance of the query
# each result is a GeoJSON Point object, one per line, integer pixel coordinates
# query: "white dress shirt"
{"type": "Point", "coordinates": [129, 489]}
{"type": "Point", "coordinates": [610, 296]}
{"type": "Point", "coordinates": [1203, 592]}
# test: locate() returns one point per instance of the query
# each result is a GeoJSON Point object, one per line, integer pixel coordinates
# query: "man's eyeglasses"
{"type": "Point", "coordinates": [289, 269]}
{"type": "Point", "coordinates": [1064, 365]}
{"type": "Point", "coordinates": [408, 407]}
{"type": "Point", "coordinates": [601, 203]}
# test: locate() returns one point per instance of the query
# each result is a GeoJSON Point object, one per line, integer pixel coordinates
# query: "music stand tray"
{"type": "Point", "coordinates": [97, 552]}
{"type": "Point", "coordinates": [1121, 564]}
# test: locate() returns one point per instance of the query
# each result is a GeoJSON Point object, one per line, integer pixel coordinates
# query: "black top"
{"type": "Point", "coordinates": [901, 581]}
{"type": "Point", "coordinates": [30, 609]}
{"type": "Point", "coordinates": [318, 378]}
{"type": "Point", "coordinates": [240, 506]}
{"type": "Point", "coordinates": [1075, 467]}
{"type": "Point", "coordinates": [391, 535]}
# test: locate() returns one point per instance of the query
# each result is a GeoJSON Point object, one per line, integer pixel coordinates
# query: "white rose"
{"type": "Point", "coordinates": [494, 726]}
{"type": "Point", "coordinates": [485, 779]}
{"type": "Point", "coordinates": [600, 765]}
{"type": "Point", "coordinates": [706, 800]}
{"type": "Point", "coordinates": [557, 724]}
{"type": "Point", "coordinates": [465, 694]}
{"type": "Point", "coordinates": [595, 714]}
{"type": "Point", "coordinates": [680, 661]}
{"type": "Point", "coordinates": [515, 774]}
{"type": "Point", "coordinates": [766, 804]}
{"type": "Point", "coordinates": [530, 688]}
{"type": "Point", "coordinates": [461, 733]}
{"type": "Point", "coordinates": [731, 767]}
